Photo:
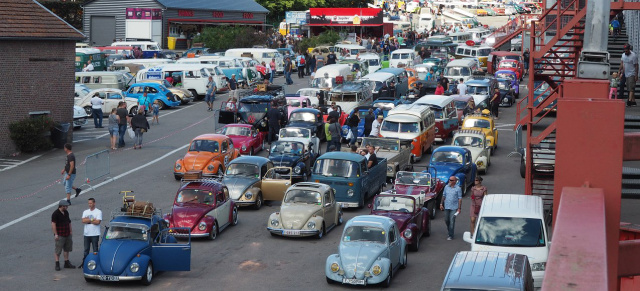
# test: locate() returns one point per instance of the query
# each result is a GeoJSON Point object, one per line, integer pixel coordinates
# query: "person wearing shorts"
{"type": "Point", "coordinates": [211, 93]}
{"type": "Point", "coordinates": [113, 128]}
{"type": "Point", "coordinates": [61, 226]}
{"type": "Point", "coordinates": [156, 112]}
{"type": "Point", "coordinates": [629, 74]}
{"type": "Point", "coordinates": [232, 85]}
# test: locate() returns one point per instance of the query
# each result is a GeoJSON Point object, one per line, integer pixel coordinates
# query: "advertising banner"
{"type": "Point", "coordinates": [296, 17]}
{"type": "Point", "coordinates": [345, 16]}
{"type": "Point", "coordinates": [143, 13]}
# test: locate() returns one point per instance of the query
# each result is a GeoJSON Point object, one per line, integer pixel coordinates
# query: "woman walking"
{"type": "Point", "coordinates": [140, 125]}
{"type": "Point", "coordinates": [478, 191]}
{"type": "Point", "coordinates": [114, 119]}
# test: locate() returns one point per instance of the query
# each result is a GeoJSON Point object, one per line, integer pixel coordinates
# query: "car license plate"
{"type": "Point", "coordinates": [291, 232]}
{"type": "Point", "coordinates": [109, 278]}
{"type": "Point", "coordinates": [353, 281]}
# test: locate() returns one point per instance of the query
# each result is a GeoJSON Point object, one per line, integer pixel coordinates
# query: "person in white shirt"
{"type": "Point", "coordinates": [96, 110]}
{"type": "Point", "coordinates": [462, 87]}
{"type": "Point", "coordinates": [375, 126]}
{"type": "Point", "coordinates": [89, 67]}
{"type": "Point", "coordinates": [358, 74]}
{"type": "Point", "coordinates": [91, 218]}
{"type": "Point", "coordinates": [268, 72]}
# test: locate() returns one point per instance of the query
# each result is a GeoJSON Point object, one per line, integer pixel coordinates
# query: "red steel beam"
{"type": "Point", "coordinates": [631, 149]}
{"type": "Point", "coordinates": [629, 254]}
{"type": "Point", "coordinates": [622, 5]}
{"type": "Point", "coordinates": [579, 249]}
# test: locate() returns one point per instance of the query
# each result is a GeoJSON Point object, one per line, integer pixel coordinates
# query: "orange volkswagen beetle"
{"type": "Point", "coordinates": [208, 155]}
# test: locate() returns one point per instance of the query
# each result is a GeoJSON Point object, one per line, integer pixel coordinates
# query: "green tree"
{"type": "Point", "coordinates": [226, 37]}
{"type": "Point", "coordinates": [71, 12]}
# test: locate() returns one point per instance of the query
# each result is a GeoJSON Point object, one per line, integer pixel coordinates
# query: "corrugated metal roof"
{"type": "Point", "coordinates": [29, 19]}
{"type": "Point", "coordinates": [220, 5]}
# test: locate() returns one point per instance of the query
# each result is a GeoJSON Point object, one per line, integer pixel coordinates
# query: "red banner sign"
{"type": "Point", "coordinates": [185, 13]}
{"type": "Point", "coordinates": [345, 16]}
{"type": "Point", "coordinates": [217, 14]}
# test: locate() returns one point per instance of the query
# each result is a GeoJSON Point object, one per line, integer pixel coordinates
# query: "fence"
{"type": "Point", "coordinates": [518, 142]}
{"type": "Point", "coordinates": [97, 166]}
{"type": "Point", "coordinates": [632, 21]}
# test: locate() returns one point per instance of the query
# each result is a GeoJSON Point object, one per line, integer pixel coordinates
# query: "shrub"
{"type": "Point", "coordinates": [32, 134]}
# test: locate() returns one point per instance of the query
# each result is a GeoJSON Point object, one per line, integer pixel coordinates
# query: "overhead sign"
{"type": "Point", "coordinates": [143, 13]}
{"type": "Point", "coordinates": [345, 16]}
{"type": "Point", "coordinates": [296, 17]}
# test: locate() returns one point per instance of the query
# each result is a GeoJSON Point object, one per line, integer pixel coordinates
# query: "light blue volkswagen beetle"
{"type": "Point", "coordinates": [370, 251]}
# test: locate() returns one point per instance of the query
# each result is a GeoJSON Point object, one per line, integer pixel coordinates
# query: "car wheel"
{"type": "Point", "coordinates": [259, 202]}
{"type": "Point", "coordinates": [134, 110]}
{"type": "Point", "coordinates": [431, 205]}
{"type": "Point", "coordinates": [234, 220]}
{"type": "Point", "coordinates": [195, 95]}
{"type": "Point", "coordinates": [486, 170]}
{"type": "Point", "coordinates": [305, 177]}
{"type": "Point", "coordinates": [178, 178]}
{"type": "Point", "coordinates": [523, 169]}
{"type": "Point", "coordinates": [161, 104]}
{"type": "Point", "coordinates": [428, 232]}
{"type": "Point", "coordinates": [213, 234]}
{"type": "Point", "coordinates": [321, 233]}
{"type": "Point", "coordinates": [405, 260]}
{"type": "Point", "coordinates": [251, 151]}
{"type": "Point", "coordinates": [148, 275]}
{"type": "Point", "coordinates": [361, 203]}
{"type": "Point", "coordinates": [416, 245]}
{"type": "Point", "coordinates": [329, 281]}
{"type": "Point", "coordinates": [430, 149]}
{"type": "Point", "coordinates": [264, 144]}
{"type": "Point", "coordinates": [88, 110]}
{"type": "Point", "coordinates": [387, 282]}
{"type": "Point", "coordinates": [340, 221]}
{"type": "Point", "coordinates": [88, 280]}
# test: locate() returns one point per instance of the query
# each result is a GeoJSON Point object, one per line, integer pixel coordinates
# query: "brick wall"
{"type": "Point", "coordinates": [36, 75]}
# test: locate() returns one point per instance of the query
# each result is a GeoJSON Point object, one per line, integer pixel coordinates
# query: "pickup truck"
{"type": "Point", "coordinates": [347, 173]}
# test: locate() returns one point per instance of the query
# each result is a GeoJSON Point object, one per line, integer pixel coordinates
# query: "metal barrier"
{"type": "Point", "coordinates": [97, 166]}
{"type": "Point", "coordinates": [217, 125]}
{"type": "Point", "coordinates": [517, 149]}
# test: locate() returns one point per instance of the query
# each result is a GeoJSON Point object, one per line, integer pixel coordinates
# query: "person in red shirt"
{"type": "Point", "coordinates": [439, 90]}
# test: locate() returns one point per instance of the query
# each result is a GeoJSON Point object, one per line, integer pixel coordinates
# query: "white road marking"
{"type": "Point", "coordinates": [181, 148]}
{"type": "Point", "coordinates": [23, 162]}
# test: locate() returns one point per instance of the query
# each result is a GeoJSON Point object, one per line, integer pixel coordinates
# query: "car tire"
{"type": "Point", "coordinates": [134, 110]}
{"type": "Point", "coordinates": [405, 261]}
{"type": "Point", "coordinates": [89, 111]}
{"type": "Point", "coordinates": [195, 95]}
{"type": "Point", "coordinates": [251, 153]}
{"type": "Point", "coordinates": [213, 234]}
{"type": "Point", "coordinates": [414, 247]}
{"type": "Point", "coordinates": [178, 178]}
{"type": "Point", "coordinates": [486, 170]}
{"type": "Point", "coordinates": [431, 205]}
{"type": "Point", "coordinates": [387, 282]}
{"type": "Point", "coordinates": [259, 202]}
{"type": "Point", "coordinates": [161, 104]}
{"type": "Point", "coordinates": [88, 280]}
{"type": "Point", "coordinates": [321, 233]}
{"type": "Point", "coordinates": [340, 221]}
{"type": "Point", "coordinates": [234, 217]}
{"type": "Point", "coordinates": [361, 203]}
{"type": "Point", "coordinates": [523, 169]}
{"type": "Point", "coordinates": [428, 232]}
{"type": "Point", "coordinates": [329, 281]}
{"type": "Point", "coordinates": [430, 149]}
{"type": "Point", "coordinates": [148, 275]}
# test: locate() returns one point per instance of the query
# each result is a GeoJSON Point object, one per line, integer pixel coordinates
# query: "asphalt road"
{"type": "Point", "coordinates": [244, 257]}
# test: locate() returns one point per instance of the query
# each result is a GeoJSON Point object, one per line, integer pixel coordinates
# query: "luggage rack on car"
{"type": "Point", "coordinates": [129, 207]}
{"type": "Point", "coordinates": [214, 179]}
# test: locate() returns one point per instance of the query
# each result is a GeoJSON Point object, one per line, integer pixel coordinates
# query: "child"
{"type": "Point", "coordinates": [156, 112]}
{"type": "Point", "coordinates": [613, 92]}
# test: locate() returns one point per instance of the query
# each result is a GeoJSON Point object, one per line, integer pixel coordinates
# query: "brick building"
{"type": "Point", "coordinates": [37, 71]}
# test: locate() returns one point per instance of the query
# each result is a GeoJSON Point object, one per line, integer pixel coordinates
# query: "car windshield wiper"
{"type": "Point", "coordinates": [486, 243]}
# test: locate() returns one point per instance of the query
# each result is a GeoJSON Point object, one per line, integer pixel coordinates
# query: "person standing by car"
{"type": "Point", "coordinates": [495, 102]}
{"type": "Point", "coordinates": [375, 126]}
{"type": "Point", "coordinates": [368, 122]}
{"type": "Point", "coordinates": [96, 110]}
{"type": "Point", "coordinates": [267, 71]}
{"type": "Point", "coordinates": [211, 93]}
{"type": "Point", "coordinates": [288, 67]}
{"type": "Point", "coordinates": [122, 122]}
{"type": "Point", "coordinates": [526, 56]}
{"type": "Point", "coordinates": [61, 226]}
{"type": "Point", "coordinates": [331, 58]}
{"type": "Point", "coordinates": [273, 117]}
{"type": "Point", "coordinates": [451, 204]}
{"type": "Point", "coordinates": [300, 62]}
{"type": "Point", "coordinates": [478, 191]}
{"type": "Point", "coordinates": [140, 125]}
{"type": "Point", "coordinates": [232, 85]}
{"type": "Point", "coordinates": [462, 87]}
{"type": "Point", "coordinates": [156, 112]}
{"type": "Point", "coordinates": [272, 66]}
{"type": "Point", "coordinates": [353, 122]}
{"type": "Point", "coordinates": [69, 172]}
{"type": "Point", "coordinates": [334, 131]}
{"type": "Point", "coordinates": [91, 219]}
{"type": "Point", "coordinates": [327, 133]}
{"type": "Point", "coordinates": [113, 128]}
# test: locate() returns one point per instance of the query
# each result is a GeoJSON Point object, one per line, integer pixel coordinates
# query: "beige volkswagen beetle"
{"type": "Point", "coordinates": [308, 209]}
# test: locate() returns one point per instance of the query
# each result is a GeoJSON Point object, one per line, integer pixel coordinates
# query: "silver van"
{"type": "Point", "coordinates": [104, 79]}
{"type": "Point", "coordinates": [488, 271]}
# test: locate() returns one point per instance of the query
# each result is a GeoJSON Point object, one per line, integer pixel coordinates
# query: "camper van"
{"type": "Point", "coordinates": [149, 48]}
{"type": "Point", "coordinates": [352, 50]}
{"type": "Point", "coordinates": [97, 58]}
{"type": "Point", "coordinates": [489, 271]}
{"type": "Point", "coordinates": [193, 77]}
{"type": "Point", "coordinates": [411, 121]}
{"type": "Point", "coordinates": [259, 54]}
{"type": "Point", "coordinates": [327, 75]}
{"type": "Point", "coordinates": [479, 52]}
{"type": "Point", "coordinates": [402, 58]}
{"type": "Point", "coordinates": [104, 79]}
{"type": "Point", "coordinates": [460, 69]}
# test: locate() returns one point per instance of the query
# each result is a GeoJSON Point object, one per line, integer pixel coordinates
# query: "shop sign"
{"type": "Point", "coordinates": [185, 13]}
{"type": "Point", "coordinates": [217, 14]}
{"type": "Point", "coordinates": [296, 17]}
{"type": "Point", "coordinates": [345, 16]}
{"type": "Point", "coordinates": [247, 15]}
{"type": "Point", "coordinates": [143, 13]}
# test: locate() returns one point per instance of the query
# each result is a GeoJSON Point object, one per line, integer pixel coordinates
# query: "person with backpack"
{"type": "Point", "coordinates": [301, 62]}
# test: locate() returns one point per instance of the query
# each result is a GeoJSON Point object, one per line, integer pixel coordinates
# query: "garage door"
{"type": "Point", "coordinates": [103, 30]}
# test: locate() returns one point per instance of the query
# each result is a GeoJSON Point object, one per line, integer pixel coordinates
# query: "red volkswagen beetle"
{"type": "Point", "coordinates": [512, 65]}
{"type": "Point", "coordinates": [425, 187]}
{"type": "Point", "coordinates": [245, 137]}
{"type": "Point", "coordinates": [412, 219]}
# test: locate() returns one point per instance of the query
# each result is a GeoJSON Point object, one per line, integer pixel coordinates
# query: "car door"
{"type": "Point", "coordinates": [135, 92]}
{"type": "Point", "coordinates": [274, 184]}
{"type": "Point", "coordinates": [170, 254]}
{"type": "Point", "coordinates": [111, 102]}
{"type": "Point", "coordinates": [329, 208]}
{"type": "Point", "coordinates": [394, 246]}
{"type": "Point", "coordinates": [223, 207]}
{"type": "Point", "coordinates": [468, 168]}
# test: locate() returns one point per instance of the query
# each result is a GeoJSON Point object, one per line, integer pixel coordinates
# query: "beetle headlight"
{"type": "Point", "coordinates": [335, 267]}
{"type": "Point", "coordinates": [134, 268]}
{"type": "Point", "coordinates": [389, 169]}
{"type": "Point", "coordinates": [505, 100]}
{"type": "Point", "coordinates": [408, 233]}
{"type": "Point", "coordinates": [274, 222]}
{"type": "Point", "coordinates": [244, 147]}
{"type": "Point", "coordinates": [479, 163]}
{"type": "Point", "coordinates": [178, 166]}
{"type": "Point", "coordinates": [311, 225]}
{"type": "Point", "coordinates": [377, 270]}
{"type": "Point", "coordinates": [210, 168]}
{"type": "Point", "coordinates": [350, 192]}
{"type": "Point", "coordinates": [248, 195]}
{"type": "Point", "coordinates": [202, 226]}
{"type": "Point", "coordinates": [345, 131]}
{"type": "Point", "coordinates": [91, 265]}
{"type": "Point", "coordinates": [297, 170]}
{"type": "Point", "coordinates": [436, 130]}
{"type": "Point", "coordinates": [538, 266]}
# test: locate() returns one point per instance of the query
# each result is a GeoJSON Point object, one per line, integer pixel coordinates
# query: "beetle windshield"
{"type": "Point", "coordinates": [477, 123]}
{"type": "Point", "coordinates": [293, 102]}
{"type": "Point", "coordinates": [504, 85]}
{"type": "Point", "coordinates": [508, 65]}
{"type": "Point", "coordinates": [447, 157]}
{"type": "Point", "coordinates": [254, 107]}
{"type": "Point", "coordinates": [250, 170]}
{"type": "Point", "coordinates": [287, 148]}
{"type": "Point", "coordinates": [302, 116]}
{"type": "Point", "coordinates": [236, 130]}
{"type": "Point", "coordinates": [364, 233]}
{"type": "Point", "coordinates": [204, 145]}
{"type": "Point", "coordinates": [478, 90]}
{"type": "Point", "coordinates": [468, 141]}
{"type": "Point", "coordinates": [295, 132]}
{"type": "Point", "coordinates": [510, 232]}
{"type": "Point", "coordinates": [373, 62]}
{"type": "Point", "coordinates": [461, 104]}
{"type": "Point", "coordinates": [336, 168]}
{"type": "Point", "coordinates": [509, 76]}
{"type": "Point", "coordinates": [303, 197]}
{"type": "Point", "coordinates": [400, 204]}
{"type": "Point", "coordinates": [413, 178]}
{"type": "Point", "coordinates": [194, 196]}
{"type": "Point", "coordinates": [127, 231]}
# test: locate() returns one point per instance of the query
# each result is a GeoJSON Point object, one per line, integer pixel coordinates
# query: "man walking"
{"type": "Point", "coordinates": [629, 73]}
{"type": "Point", "coordinates": [211, 93]}
{"type": "Point", "coordinates": [451, 204]}
{"type": "Point", "coordinates": [526, 56]}
{"type": "Point", "coordinates": [91, 219]}
{"type": "Point", "coordinates": [273, 117]}
{"type": "Point", "coordinates": [96, 110]}
{"type": "Point", "coordinates": [495, 102]}
{"type": "Point", "coordinates": [232, 85]}
{"type": "Point", "coordinates": [288, 67]}
{"type": "Point", "coordinates": [69, 172]}
{"type": "Point", "coordinates": [301, 64]}
{"type": "Point", "coordinates": [61, 226]}
{"type": "Point", "coordinates": [334, 131]}
{"type": "Point", "coordinates": [122, 122]}
{"type": "Point", "coordinates": [462, 87]}
{"type": "Point", "coordinates": [368, 122]}
{"type": "Point", "coordinates": [353, 122]}
{"type": "Point", "coordinates": [331, 58]}
{"type": "Point", "coordinates": [375, 126]}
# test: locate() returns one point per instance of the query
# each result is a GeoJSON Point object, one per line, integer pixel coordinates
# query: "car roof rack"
{"type": "Point", "coordinates": [214, 179]}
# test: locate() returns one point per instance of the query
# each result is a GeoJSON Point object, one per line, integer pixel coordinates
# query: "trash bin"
{"type": "Point", "coordinates": [171, 42]}
{"type": "Point", "coordinates": [59, 134]}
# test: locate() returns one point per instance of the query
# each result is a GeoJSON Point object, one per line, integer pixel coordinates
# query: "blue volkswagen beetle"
{"type": "Point", "coordinates": [454, 161]}
{"type": "Point", "coordinates": [294, 154]}
{"type": "Point", "coordinates": [155, 92]}
{"type": "Point", "coordinates": [371, 250]}
{"type": "Point", "coordinates": [135, 247]}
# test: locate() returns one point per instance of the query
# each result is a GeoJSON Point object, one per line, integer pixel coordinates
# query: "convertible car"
{"type": "Point", "coordinates": [425, 187]}
{"type": "Point", "coordinates": [409, 214]}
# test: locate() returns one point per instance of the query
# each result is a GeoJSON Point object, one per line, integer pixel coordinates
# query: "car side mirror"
{"type": "Point", "coordinates": [467, 237]}
{"type": "Point", "coordinates": [327, 204]}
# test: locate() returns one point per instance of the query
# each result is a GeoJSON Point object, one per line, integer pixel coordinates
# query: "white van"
{"type": "Point", "coordinates": [478, 34]}
{"type": "Point", "coordinates": [425, 21]}
{"type": "Point", "coordinates": [459, 37]}
{"type": "Point", "coordinates": [373, 60]}
{"type": "Point", "coordinates": [150, 49]}
{"type": "Point", "coordinates": [402, 57]}
{"type": "Point", "coordinates": [513, 223]}
{"type": "Point", "coordinates": [352, 50]}
{"type": "Point", "coordinates": [460, 69]}
{"type": "Point", "coordinates": [104, 79]}
{"type": "Point", "coordinates": [326, 76]}
{"type": "Point", "coordinates": [147, 63]}
{"type": "Point", "coordinates": [259, 54]}
{"type": "Point", "coordinates": [193, 77]}
{"type": "Point", "coordinates": [378, 80]}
